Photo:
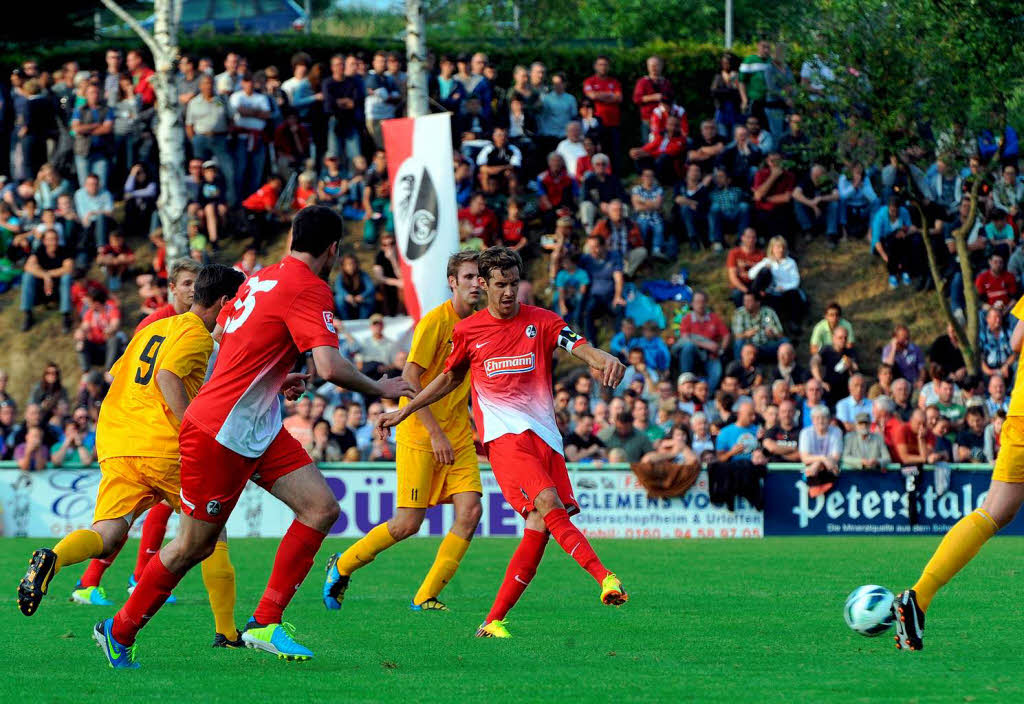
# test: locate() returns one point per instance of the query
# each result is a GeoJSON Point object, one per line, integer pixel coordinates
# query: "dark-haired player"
{"type": "Point", "coordinates": [232, 433]}
{"type": "Point", "coordinates": [137, 444]}
{"type": "Point", "coordinates": [509, 348]}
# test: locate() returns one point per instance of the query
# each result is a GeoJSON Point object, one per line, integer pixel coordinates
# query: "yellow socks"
{"type": "Point", "coordinates": [78, 546]}
{"type": "Point", "coordinates": [219, 578]}
{"type": "Point", "coordinates": [362, 552]}
{"type": "Point", "coordinates": [447, 561]}
{"type": "Point", "coordinates": [960, 545]}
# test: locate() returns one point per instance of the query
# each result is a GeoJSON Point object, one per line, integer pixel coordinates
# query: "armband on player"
{"type": "Point", "coordinates": [568, 339]}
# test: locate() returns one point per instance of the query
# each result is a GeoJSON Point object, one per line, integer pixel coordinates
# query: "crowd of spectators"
{"type": "Point", "coordinates": [595, 209]}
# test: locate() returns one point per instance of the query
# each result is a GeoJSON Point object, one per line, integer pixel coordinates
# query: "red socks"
{"type": "Point", "coordinates": [521, 569]}
{"type": "Point", "coordinates": [149, 595]}
{"type": "Point", "coordinates": [575, 543]}
{"type": "Point", "coordinates": [153, 529]}
{"type": "Point", "coordinates": [294, 559]}
{"type": "Point", "coordinates": [94, 572]}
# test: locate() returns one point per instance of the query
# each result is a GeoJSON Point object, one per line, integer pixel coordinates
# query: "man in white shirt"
{"type": "Point", "coordinates": [571, 148]}
{"type": "Point", "coordinates": [250, 111]}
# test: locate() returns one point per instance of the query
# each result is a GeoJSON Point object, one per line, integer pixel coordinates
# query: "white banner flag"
{"type": "Point", "coordinates": [423, 204]}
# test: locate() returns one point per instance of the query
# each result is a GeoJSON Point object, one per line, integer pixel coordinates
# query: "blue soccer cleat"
{"type": "Point", "coordinates": [119, 656]}
{"type": "Point", "coordinates": [171, 599]}
{"type": "Point", "coordinates": [335, 584]}
{"type": "Point", "coordinates": [91, 596]}
{"type": "Point", "coordinates": [276, 639]}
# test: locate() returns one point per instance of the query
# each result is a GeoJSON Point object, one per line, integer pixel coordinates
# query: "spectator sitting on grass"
{"type": "Point", "coordinates": [994, 343]}
{"type": "Point", "coordinates": [864, 449]}
{"type": "Point", "coordinates": [116, 258]}
{"type": "Point", "coordinates": [48, 274]}
{"type": "Point", "coordinates": [834, 365]}
{"type": "Point", "coordinates": [703, 339]}
{"type": "Point", "coordinates": [789, 370]}
{"type": "Point", "coordinates": [738, 263]}
{"type": "Point", "coordinates": [624, 436]}
{"type": "Point", "coordinates": [821, 335]}
{"type": "Point", "coordinates": [49, 391]}
{"type": "Point", "coordinates": [621, 341]}
{"type": "Point", "coordinates": [622, 237]}
{"type": "Point", "coordinates": [656, 352]}
{"type": "Point", "coordinates": [756, 325]}
{"type": "Point", "coordinates": [744, 368]}
{"type": "Point", "coordinates": [849, 408]}
{"type": "Point", "coordinates": [97, 340]}
{"type": "Point", "coordinates": [571, 284]}
{"type": "Point", "coordinates": [821, 447]}
{"type": "Point", "coordinates": [353, 290]}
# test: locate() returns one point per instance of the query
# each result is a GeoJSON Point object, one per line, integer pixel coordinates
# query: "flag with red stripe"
{"type": "Point", "coordinates": [419, 153]}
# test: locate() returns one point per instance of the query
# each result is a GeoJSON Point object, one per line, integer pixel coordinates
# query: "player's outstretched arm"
{"type": "Point", "coordinates": [442, 385]}
{"type": "Point", "coordinates": [610, 369]}
{"type": "Point", "coordinates": [332, 366]}
{"type": "Point", "coordinates": [442, 447]}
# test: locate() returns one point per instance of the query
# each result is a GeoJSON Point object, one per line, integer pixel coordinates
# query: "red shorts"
{"type": "Point", "coordinates": [524, 465]}
{"type": "Point", "coordinates": [212, 476]}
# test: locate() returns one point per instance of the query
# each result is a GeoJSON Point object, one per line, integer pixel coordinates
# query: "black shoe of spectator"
{"type": "Point", "coordinates": [28, 322]}
{"type": "Point", "coordinates": [68, 324]}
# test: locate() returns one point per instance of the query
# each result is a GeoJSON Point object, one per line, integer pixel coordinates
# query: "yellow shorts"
{"type": "Point", "coordinates": [423, 482]}
{"type": "Point", "coordinates": [1010, 461]}
{"type": "Point", "coordinates": [132, 485]}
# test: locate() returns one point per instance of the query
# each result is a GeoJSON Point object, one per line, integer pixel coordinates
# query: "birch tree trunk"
{"type": "Point", "coordinates": [417, 98]}
{"type": "Point", "coordinates": [170, 136]}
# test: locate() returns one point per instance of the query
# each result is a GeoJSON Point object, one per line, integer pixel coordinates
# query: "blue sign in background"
{"type": "Point", "coordinates": [872, 503]}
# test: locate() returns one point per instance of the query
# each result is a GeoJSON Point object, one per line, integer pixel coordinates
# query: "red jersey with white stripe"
{"type": "Point", "coordinates": [510, 363]}
{"type": "Point", "coordinates": [282, 311]}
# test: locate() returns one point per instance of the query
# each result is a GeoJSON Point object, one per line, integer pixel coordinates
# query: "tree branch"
{"type": "Point", "coordinates": [134, 25]}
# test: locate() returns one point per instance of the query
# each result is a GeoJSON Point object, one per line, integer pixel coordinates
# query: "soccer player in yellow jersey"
{"type": "Point", "coordinates": [436, 457]}
{"type": "Point", "coordinates": [137, 446]}
{"type": "Point", "coordinates": [963, 541]}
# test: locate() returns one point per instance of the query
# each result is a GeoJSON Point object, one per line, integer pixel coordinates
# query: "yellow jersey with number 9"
{"type": "Point", "coordinates": [135, 421]}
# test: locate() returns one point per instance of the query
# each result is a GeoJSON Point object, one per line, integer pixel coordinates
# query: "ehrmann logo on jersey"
{"type": "Point", "coordinates": [509, 365]}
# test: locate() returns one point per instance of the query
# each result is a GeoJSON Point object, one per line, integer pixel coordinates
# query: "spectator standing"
{"type": "Point", "coordinates": [97, 340]}
{"type": "Point", "coordinates": [727, 208]}
{"type": "Point", "coordinates": [649, 91]}
{"type": "Point", "coordinates": [48, 274]}
{"type": "Point", "coordinates": [738, 441]}
{"type": "Point", "coordinates": [93, 127]}
{"type": "Point", "coordinates": [725, 89]}
{"type": "Point", "coordinates": [299, 90]}
{"type": "Point", "coordinates": [206, 125]}
{"type": "Point", "coordinates": [782, 440]}
{"type": "Point", "coordinates": [142, 77]}
{"type": "Point", "coordinates": [95, 208]}
{"type": "Point", "coordinates": [606, 280]}
{"type": "Point", "coordinates": [344, 99]}
{"type": "Point", "coordinates": [600, 187]}
{"type": "Point", "coordinates": [606, 93]}
{"type": "Point", "coordinates": [857, 201]}
{"type": "Point", "coordinates": [557, 109]}
{"type": "Point", "coordinates": [250, 111]}
{"type": "Point", "coordinates": [49, 392]}
{"type": "Point", "coordinates": [116, 258]}
{"type": "Point", "coordinates": [753, 75]}
{"type": "Point", "coordinates": [387, 277]}
{"type": "Point", "coordinates": [996, 286]}
{"type": "Point", "coordinates": [382, 95]}
{"type": "Point", "coordinates": [690, 208]}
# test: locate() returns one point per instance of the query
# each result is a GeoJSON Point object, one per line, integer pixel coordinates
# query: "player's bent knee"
{"type": "Point", "coordinates": [320, 515]}
{"type": "Point", "coordinates": [547, 500]}
{"type": "Point", "coordinates": [469, 516]}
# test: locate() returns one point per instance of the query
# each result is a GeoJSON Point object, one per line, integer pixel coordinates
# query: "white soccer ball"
{"type": "Point", "coordinates": [868, 610]}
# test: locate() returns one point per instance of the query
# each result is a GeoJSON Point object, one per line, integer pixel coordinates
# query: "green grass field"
{"type": "Point", "coordinates": [734, 621]}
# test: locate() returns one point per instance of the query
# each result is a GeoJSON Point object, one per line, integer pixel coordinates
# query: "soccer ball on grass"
{"type": "Point", "coordinates": [868, 610]}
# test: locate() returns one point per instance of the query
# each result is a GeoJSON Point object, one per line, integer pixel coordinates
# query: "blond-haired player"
{"type": "Point", "coordinates": [436, 457]}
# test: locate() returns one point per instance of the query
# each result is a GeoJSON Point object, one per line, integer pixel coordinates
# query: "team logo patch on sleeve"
{"type": "Point", "coordinates": [568, 339]}
{"type": "Point", "coordinates": [329, 321]}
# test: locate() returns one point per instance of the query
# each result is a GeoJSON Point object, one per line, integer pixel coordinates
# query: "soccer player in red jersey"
{"type": "Point", "coordinates": [181, 281]}
{"type": "Point", "coordinates": [232, 433]}
{"type": "Point", "coordinates": [509, 348]}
